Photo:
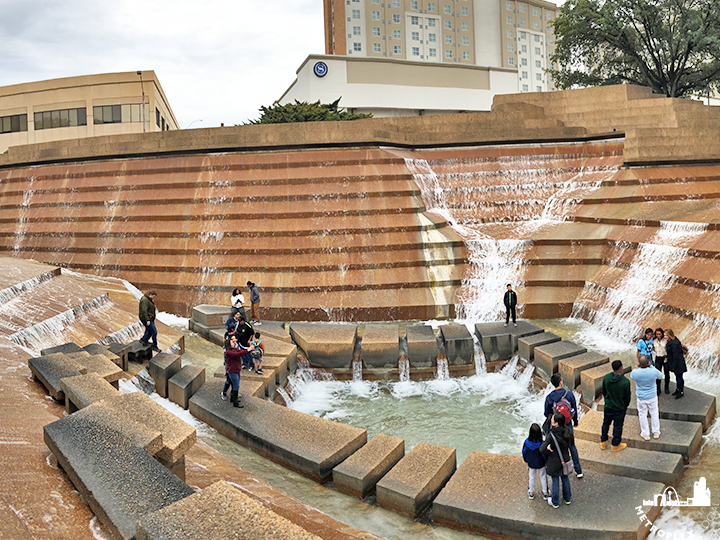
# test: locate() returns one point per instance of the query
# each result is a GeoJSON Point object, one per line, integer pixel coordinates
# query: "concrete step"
{"type": "Point", "coordinates": [499, 341]}
{"type": "Point", "coordinates": [677, 437]}
{"type": "Point", "coordinates": [571, 368]}
{"type": "Point", "coordinates": [647, 465]}
{"type": "Point", "coordinates": [548, 356]}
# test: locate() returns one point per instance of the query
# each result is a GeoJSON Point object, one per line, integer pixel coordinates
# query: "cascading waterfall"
{"type": "Point", "coordinates": [404, 370]}
{"type": "Point", "coordinates": [357, 370]}
{"type": "Point", "coordinates": [443, 369]}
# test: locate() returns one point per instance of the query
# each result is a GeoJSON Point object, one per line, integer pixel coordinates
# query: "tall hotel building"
{"type": "Point", "coordinates": [493, 33]}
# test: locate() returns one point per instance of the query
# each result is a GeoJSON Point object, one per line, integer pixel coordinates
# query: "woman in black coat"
{"type": "Point", "coordinates": [553, 452]}
{"type": "Point", "coordinates": [676, 361]}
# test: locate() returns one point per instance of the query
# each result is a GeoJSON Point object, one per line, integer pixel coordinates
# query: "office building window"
{"type": "Point", "coordinates": [396, 18]}
{"type": "Point", "coordinates": [415, 36]}
{"type": "Point", "coordinates": [464, 11]}
{"type": "Point", "coordinates": [511, 60]}
{"type": "Point", "coordinates": [376, 31]}
{"type": "Point", "coordinates": [56, 119]}
{"type": "Point", "coordinates": [432, 38]}
{"type": "Point", "coordinates": [524, 74]}
{"type": "Point", "coordinates": [448, 40]}
{"type": "Point", "coordinates": [448, 53]}
{"type": "Point", "coordinates": [466, 55]}
{"type": "Point", "coordinates": [376, 48]}
{"type": "Point", "coordinates": [432, 52]}
{"type": "Point", "coordinates": [416, 51]}
{"type": "Point", "coordinates": [446, 9]}
{"type": "Point", "coordinates": [18, 122]}
{"type": "Point", "coordinates": [356, 13]}
{"type": "Point", "coordinates": [510, 47]}
{"type": "Point", "coordinates": [375, 15]}
{"type": "Point", "coordinates": [115, 114]}
{"type": "Point", "coordinates": [356, 30]}
{"type": "Point", "coordinates": [510, 33]}
{"type": "Point", "coordinates": [357, 47]}
{"type": "Point", "coordinates": [397, 34]}
{"type": "Point", "coordinates": [414, 21]}
{"type": "Point", "coordinates": [157, 117]}
{"type": "Point", "coordinates": [413, 4]}
{"type": "Point", "coordinates": [448, 24]}
{"type": "Point", "coordinates": [162, 122]}
{"type": "Point", "coordinates": [431, 7]}
{"type": "Point", "coordinates": [465, 40]}
{"type": "Point", "coordinates": [525, 87]}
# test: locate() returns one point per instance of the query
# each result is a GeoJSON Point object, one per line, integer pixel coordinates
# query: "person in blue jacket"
{"type": "Point", "coordinates": [535, 461]}
{"type": "Point", "coordinates": [645, 346]}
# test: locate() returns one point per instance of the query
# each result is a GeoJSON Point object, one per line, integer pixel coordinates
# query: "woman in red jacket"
{"type": "Point", "coordinates": [233, 367]}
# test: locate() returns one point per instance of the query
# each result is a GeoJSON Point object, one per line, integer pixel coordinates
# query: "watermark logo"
{"type": "Point", "coordinates": [670, 497]}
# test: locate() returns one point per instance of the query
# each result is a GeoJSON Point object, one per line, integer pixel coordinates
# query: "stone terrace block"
{"type": "Point", "coordinates": [50, 369]}
{"type": "Point", "coordinates": [500, 342]}
{"type": "Point", "coordinates": [95, 348]}
{"type": "Point", "coordinates": [458, 342]}
{"type": "Point", "coordinates": [121, 350]}
{"type": "Point", "coordinates": [591, 381]}
{"type": "Point", "coordinates": [64, 348]}
{"type": "Point", "coordinates": [137, 352]}
{"type": "Point", "coordinates": [279, 365]}
{"type": "Point", "coordinates": [104, 367]}
{"type": "Point", "coordinates": [185, 383]}
{"type": "Point", "coordinates": [96, 457]}
{"type": "Point", "coordinates": [177, 436]}
{"type": "Point", "coordinates": [275, 330]}
{"type": "Point", "coordinates": [210, 316]}
{"type": "Point", "coordinates": [217, 512]}
{"type": "Point", "coordinates": [571, 368]}
{"type": "Point", "coordinates": [422, 345]}
{"type": "Point", "coordinates": [359, 473]}
{"type": "Point", "coordinates": [83, 390]}
{"type": "Point", "coordinates": [527, 344]}
{"type": "Point", "coordinates": [307, 444]}
{"type": "Point", "coordinates": [326, 345]}
{"type": "Point", "coordinates": [162, 367]}
{"type": "Point", "coordinates": [381, 345]}
{"type": "Point", "coordinates": [548, 356]}
{"type": "Point", "coordinates": [413, 483]}
{"type": "Point", "coordinates": [647, 465]}
{"type": "Point", "coordinates": [695, 406]}
{"type": "Point", "coordinates": [274, 347]}
{"type": "Point", "coordinates": [488, 494]}
{"type": "Point", "coordinates": [677, 437]}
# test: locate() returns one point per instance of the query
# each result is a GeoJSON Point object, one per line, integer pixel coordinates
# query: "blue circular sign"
{"type": "Point", "coordinates": [320, 69]}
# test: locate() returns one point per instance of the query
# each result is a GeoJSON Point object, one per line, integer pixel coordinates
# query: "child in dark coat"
{"type": "Point", "coordinates": [557, 450]}
{"type": "Point", "coordinates": [535, 461]}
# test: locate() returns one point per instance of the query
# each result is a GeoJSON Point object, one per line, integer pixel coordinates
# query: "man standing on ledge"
{"type": "Point", "coordinates": [510, 301]}
{"type": "Point", "coordinates": [616, 391]}
{"type": "Point", "coordinates": [146, 313]}
{"type": "Point", "coordinates": [254, 303]}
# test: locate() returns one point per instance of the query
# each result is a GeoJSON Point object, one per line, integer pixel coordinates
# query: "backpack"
{"type": "Point", "coordinates": [563, 407]}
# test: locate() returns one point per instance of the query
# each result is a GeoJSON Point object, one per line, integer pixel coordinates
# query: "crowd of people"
{"type": "Point", "coordinates": [550, 450]}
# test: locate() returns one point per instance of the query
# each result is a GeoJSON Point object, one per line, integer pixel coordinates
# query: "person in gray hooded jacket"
{"type": "Point", "coordinates": [254, 303]}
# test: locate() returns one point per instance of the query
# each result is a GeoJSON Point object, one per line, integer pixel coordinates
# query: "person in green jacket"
{"type": "Point", "coordinates": [146, 314]}
{"type": "Point", "coordinates": [616, 391]}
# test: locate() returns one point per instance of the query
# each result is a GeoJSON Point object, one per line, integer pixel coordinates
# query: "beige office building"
{"type": "Point", "coordinates": [490, 33]}
{"type": "Point", "coordinates": [79, 107]}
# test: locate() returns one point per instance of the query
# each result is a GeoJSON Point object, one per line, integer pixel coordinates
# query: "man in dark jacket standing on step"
{"type": "Point", "coordinates": [616, 391]}
{"type": "Point", "coordinates": [146, 314]}
{"type": "Point", "coordinates": [510, 301]}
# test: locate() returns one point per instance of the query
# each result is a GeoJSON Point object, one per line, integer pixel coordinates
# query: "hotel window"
{"type": "Point", "coordinates": [375, 15]}
{"type": "Point", "coordinates": [538, 39]}
{"type": "Point", "coordinates": [508, 6]}
{"type": "Point", "coordinates": [523, 61]}
{"type": "Point", "coordinates": [396, 18]}
{"type": "Point", "coordinates": [376, 31]}
{"type": "Point", "coordinates": [537, 50]}
{"type": "Point", "coordinates": [509, 19]}
{"type": "Point", "coordinates": [431, 38]}
{"type": "Point", "coordinates": [510, 47]}
{"type": "Point", "coordinates": [446, 9]}
{"type": "Point", "coordinates": [448, 24]}
{"type": "Point", "coordinates": [432, 52]}
{"type": "Point", "coordinates": [535, 25]}
{"type": "Point", "coordinates": [415, 36]}
{"type": "Point", "coordinates": [431, 7]}
{"type": "Point", "coordinates": [465, 40]}
{"type": "Point", "coordinates": [538, 76]}
{"type": "Point", "coordinates": [522, 21]}
{"type": "Point", "coordinates": [375, 2]}
{"type": "Point", "coordinates": [18, 122]}
{"type": "Point", "coordinates": [537, 63]}
{"type": "Point", "coordinates": [548, 15]}
{"type": "Point", "coordinates": [509, 33]}
{"type": "Point", "coordinates": [550, 41]}
{"type": "Point", "coordinates": [396, 3]}
{"type": "Point", "coordinates": [397, 49]}
{"type": "Point", "coordinates": [448, 40]}
{"type": "Point", "coordinates": [356, 30]}
{"type": "Point", "coordinates": [466, 55]}
{"type": "Point", "coordinates": [448, 53]}
{"type": "Point", "coordinates": [522, 35]}
{"type": "Point", "coordinates": [357, 47]}
{"type": "Point", "coordinates": [416, 51]}
{"type": "Point", "coordinates": [464, 11]}
{"type": "Point", "coordinates": [521, 8]}
{"type": "Point", "coordinates": [376, 48]}
{"type": "Point", "coordinates": [525, 87]}
{"type": "Point", "coordinates": [431, 23]}
{"type": "Point", "coordinates": [536, 12]}
{"type": "Point", "coordinates": [465, 26]}
{"type": "Point", "coordinates": [356, 13]}
{"type": "Point", "coordinates": [414, 21]}
{"type": "Point", "coordinates": [397, 34]}
{"type": "Point", "coordinates": [539, 88]}
{"type": "Point", "coordinates": [413, 4]}
{"type": "Point", "coordinates": [511, 60]}
{"type": "Point", "coordinates": [524, 74]}
{"type": "Point", "coordinates": [524, 48]}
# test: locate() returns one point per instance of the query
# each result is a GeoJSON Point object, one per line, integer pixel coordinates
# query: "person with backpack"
{"type": "Point", "coordinates": [616, 391]}
{"type": "Point", "coordinates": [676, 360]}
{"type": "Point", "coordinates": [647, 400]}
{"type": "Point", "coordinates": [556, 449]}
{"type": "Point", "coordinates": [510, 301]}
{"type": "Point", "coordinates": [562, 401]}
{"type": "Point", "coordinates": [535, 461]}
{"type": "Point", "coordinates": [257, 354]}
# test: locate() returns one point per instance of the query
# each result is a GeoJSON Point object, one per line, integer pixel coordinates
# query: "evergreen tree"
{"type": "Point", "coordinates": [305, 112]}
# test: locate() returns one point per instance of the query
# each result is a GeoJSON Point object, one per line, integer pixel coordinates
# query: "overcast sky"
{"type": "Point", "coordinates": [217, 60]}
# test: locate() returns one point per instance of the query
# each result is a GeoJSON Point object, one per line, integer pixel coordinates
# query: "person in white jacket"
{"type": "Point", "coordinates": [236, 303]}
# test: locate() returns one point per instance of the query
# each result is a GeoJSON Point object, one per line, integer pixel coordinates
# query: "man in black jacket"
{"type": "Point", "coordinates": [510, 301]}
